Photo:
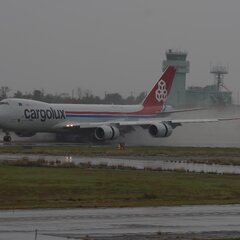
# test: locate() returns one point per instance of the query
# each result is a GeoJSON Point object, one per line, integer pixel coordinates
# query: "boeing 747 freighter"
{"type": "Point", "coordinates": [100, 122]}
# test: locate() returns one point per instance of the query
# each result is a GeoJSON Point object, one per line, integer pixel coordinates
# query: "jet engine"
{"type": "Point", "coordinates": [106, 133]}
{"type": "Point", "coordinates": [160, 130]}
{"type": "Point", "coordinates": [25, 134]}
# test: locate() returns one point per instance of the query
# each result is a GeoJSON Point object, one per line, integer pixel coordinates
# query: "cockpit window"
{"type": "Point", "coordinates": [4, 103]}
{"type": "Point", "coordinates": [20, 104]}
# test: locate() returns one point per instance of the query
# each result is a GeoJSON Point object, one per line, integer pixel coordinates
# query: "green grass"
{"type": "Point", "coordinates": [41, 187]}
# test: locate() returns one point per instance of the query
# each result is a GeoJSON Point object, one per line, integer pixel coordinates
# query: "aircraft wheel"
{"type": "Point", "coordinates": [7, 138]}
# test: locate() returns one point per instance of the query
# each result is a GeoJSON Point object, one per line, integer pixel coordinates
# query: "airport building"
{"type": "Point", "coordinates": [178, 59]}
{"type": "Point", "coordinates": [216, 94]}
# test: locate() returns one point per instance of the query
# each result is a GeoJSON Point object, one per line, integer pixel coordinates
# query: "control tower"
{"type": "Point", "coordinates": [177, 95]}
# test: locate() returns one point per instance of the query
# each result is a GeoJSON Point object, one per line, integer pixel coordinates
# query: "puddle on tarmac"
{"type": "Point", "coordinates": [155, 164]}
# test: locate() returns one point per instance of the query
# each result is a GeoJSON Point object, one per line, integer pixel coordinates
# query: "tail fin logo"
{"type": "Point", "coordinates": [161, 92]}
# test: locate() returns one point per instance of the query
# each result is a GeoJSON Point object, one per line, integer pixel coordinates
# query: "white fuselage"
{"type": "Point", "coordinates": [104, 122]}
{"type": "Point", "coordinates": [30, 115]}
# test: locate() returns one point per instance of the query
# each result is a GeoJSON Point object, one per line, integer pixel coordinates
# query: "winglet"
{"type": "Point", "coordinates": [158, 95]}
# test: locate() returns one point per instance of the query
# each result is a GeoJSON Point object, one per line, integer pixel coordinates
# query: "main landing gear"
{"type": "Point", "coordinates": [7, 139]}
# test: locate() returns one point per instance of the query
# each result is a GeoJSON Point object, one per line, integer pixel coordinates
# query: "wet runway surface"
{"type": "Point", "coordinates": [160, 163]}
{"type": "Point", "coordinates": [111, 223]}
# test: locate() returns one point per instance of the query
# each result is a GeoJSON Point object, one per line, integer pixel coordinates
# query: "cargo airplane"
{"type": "Point", "coordinates": [100, 122]}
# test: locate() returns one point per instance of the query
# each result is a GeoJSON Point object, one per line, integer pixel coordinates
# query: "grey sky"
{"type": "Point", "coordinates": [114, 45]}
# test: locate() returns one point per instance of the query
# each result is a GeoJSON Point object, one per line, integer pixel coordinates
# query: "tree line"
{"type": "Point", "coordinates": [85, 97]}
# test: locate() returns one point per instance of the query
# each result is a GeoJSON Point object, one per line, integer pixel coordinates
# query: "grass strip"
{"type": "Point", "coordinates": [55, 187]}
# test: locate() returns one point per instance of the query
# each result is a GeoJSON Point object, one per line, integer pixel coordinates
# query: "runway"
{"type": "Point", "coordinates": [117, 223]}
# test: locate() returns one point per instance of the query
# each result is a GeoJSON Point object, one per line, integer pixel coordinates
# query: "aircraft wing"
{"type": "Point", "coordinates": [142, 123]}
{"type": "Point", "coordinates": [107, 130]}
{"type": "Point", "coordinates": [204, 120]}
{"type": "Point", "coordinates": [174, 122]}
{"type": "Point", "coordinates": [170, 111]}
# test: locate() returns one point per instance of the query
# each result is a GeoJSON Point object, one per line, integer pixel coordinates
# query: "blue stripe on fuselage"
{"type": "Point", "coordinates": [107, 116]}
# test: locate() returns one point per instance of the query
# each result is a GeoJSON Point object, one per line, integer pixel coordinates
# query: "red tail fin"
{"type": "Point", "coordinates": [159, 93]}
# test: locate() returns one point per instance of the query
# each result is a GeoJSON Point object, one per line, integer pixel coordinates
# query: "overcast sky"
{"type": "Point", "coordinates": [114, 45]}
